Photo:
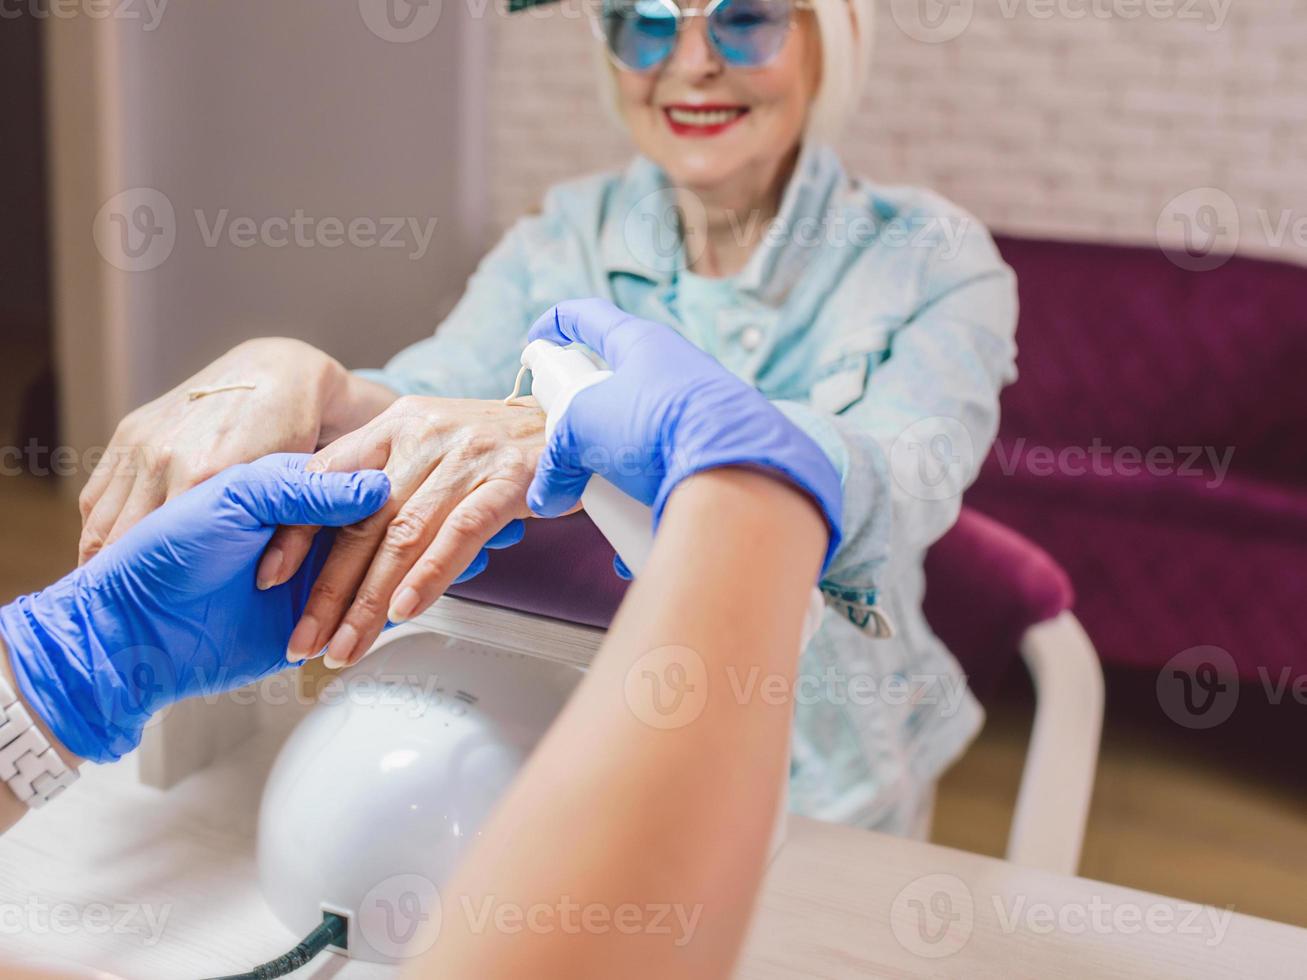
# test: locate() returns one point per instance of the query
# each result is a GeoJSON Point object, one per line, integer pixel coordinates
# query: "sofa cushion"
{"type": "Point", "coordinates": [1120, 345]}
{"type": "Point", "coordinates": [561, 568]}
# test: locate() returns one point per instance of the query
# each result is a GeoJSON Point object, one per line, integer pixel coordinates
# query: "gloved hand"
{"type": "Point", "coordinates": [171, 610]}
{"type": "Point", "coordinates": [669, 411]}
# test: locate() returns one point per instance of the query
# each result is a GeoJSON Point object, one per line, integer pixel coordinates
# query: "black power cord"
{"type": "Point", "coordinates": [331, 932]}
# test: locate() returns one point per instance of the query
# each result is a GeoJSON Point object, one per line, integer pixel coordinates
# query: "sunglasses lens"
{"type": "Point", "coordinates": [750, 33]}
{"type": "Point", "coordinates": [639, 33]}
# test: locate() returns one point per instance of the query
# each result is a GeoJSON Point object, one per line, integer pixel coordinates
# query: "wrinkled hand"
{"type": "Point", "coordinates": [669, 411]}
{"type": "Point", "coordinates": [459, 469]}
{"type": "Point", "coordinates": [174, 443]}
{"type": "Point", "coordinates": [171, 610]}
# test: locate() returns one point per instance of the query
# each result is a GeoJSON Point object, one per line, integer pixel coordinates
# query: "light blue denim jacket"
{"type": "Point", "coordinates": [881, 321]}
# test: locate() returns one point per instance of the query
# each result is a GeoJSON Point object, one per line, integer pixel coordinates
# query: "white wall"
{"type": "Point", "coordinates": [1063, 118]}
{"type": "Point", "coordinates": [181, 153]}
{"type": "Point", "coordinates": [226, 115]}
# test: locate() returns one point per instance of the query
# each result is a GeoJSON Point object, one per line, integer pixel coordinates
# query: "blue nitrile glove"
{"type": "Point", "coordinates": [668, 412]}
{"type": "Point", "coordinates": [507, 536]}
{"type": "Point", "coordinates": [171, 610]}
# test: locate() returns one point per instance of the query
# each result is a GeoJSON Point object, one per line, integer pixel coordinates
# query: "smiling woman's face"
{"type": "Point", "coordinates": [707, 123]}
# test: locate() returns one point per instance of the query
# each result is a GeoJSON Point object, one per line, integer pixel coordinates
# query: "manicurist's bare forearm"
{"type": "Point", "coordinates": [634, 841]}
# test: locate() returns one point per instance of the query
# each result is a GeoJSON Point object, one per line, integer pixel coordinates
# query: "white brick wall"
{"type": "Point", "coordinates": [1058, 118]}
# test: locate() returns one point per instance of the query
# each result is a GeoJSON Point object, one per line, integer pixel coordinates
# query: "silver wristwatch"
{"type": "Point", "coordinates": [28, 763]}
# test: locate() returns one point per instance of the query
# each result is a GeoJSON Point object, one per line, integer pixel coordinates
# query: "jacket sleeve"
{"type": "Point", "coordinates": [928, 412]}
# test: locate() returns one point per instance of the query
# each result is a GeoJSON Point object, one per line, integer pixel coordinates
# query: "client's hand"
{"type": "Point", "coordinates": [171, 610]}
{"type": "Point", "coordinates": [265, 396]}
{"type": "Point", "coordinates": [459, 470]}
{"type": "Point", "coordinates": [668, 412]}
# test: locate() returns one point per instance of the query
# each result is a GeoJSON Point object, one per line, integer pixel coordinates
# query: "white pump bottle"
{"type": "Point", "coordinates": [558, 374]}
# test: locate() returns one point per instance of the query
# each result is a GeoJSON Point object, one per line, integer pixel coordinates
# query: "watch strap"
{"type": "Point", "coordinates": [30, 765]}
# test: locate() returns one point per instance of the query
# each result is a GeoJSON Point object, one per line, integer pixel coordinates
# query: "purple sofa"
{"type": "Point", "coordinates": [562, 569]}
{"type": "Point", "coordinates": [1204, 542]}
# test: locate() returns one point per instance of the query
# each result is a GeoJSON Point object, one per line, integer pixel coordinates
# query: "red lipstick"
{"type": "Point", "coordinates": [708, 119]}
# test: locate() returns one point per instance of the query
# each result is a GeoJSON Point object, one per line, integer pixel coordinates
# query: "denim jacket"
{"type": "Point", "coordinates": [881, 320]}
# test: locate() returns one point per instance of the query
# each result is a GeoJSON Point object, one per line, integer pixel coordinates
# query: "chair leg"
{"type": "Point", "coordinates": [1048, 828]}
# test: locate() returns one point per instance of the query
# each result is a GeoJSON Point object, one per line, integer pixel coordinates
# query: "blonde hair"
{"type": "Point", "coordinates": [844, 30]}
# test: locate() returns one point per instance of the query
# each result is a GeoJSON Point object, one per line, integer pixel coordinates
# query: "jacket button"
{"type": "Point", "coordinates": [750, 338]}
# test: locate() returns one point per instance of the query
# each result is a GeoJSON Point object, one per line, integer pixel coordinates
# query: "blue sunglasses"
{"type": "Point", "coordinates": [641, 34]}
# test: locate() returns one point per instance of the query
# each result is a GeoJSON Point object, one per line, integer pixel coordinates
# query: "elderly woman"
{"type": "Point", "coordinates": [880, 320]}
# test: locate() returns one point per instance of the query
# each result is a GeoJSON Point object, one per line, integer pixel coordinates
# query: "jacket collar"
{"type": "Point", "coordinates": [641, 237]}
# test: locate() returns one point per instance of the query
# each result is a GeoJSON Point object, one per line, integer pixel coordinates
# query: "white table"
{"type": "Point", "coordinates": [85, 879]}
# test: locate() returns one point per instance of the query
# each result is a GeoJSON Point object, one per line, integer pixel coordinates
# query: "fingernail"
{"type": "Point", "coordinates": [341, 647]}
{"type": "Point", "coordinates": [303, 640]}
{"type": "Point", "coordinates": [404, 605]}
{"type": "Point", "coordinates": [269, 573]}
